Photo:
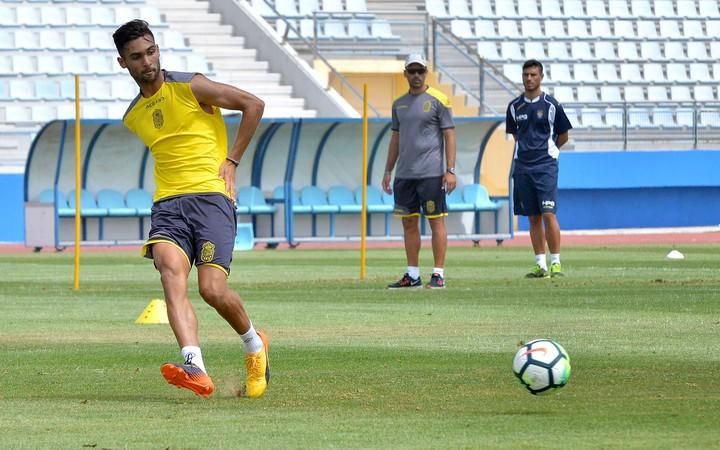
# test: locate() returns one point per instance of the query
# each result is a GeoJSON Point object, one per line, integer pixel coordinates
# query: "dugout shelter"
{"type": "Point", "coordinates": [299, 180]}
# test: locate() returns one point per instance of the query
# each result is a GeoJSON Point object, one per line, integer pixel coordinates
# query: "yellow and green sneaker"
{"type": "Point", "coordinates": [538, 272]}
{"type": "Point", "coordinates": [258, 370]}
{"type": "Point", "coordinates": [556, 270]}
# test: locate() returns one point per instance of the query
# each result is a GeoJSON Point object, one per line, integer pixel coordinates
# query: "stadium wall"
{"type": "Point", "coordinates": [597, 190]}
{"type": "Point", "coordinates": [640, 189]}
{"type": "Point", "coordinates": [12, 222]}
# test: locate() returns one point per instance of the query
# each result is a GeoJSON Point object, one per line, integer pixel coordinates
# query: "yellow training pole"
{"type": "Point", "coordinates": [78, 184]}
{"type": "Point", "coordinates": [363, 214]}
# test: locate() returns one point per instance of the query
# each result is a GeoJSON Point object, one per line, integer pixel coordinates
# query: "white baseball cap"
{"type": "Point", "coordinates": [415, 58]}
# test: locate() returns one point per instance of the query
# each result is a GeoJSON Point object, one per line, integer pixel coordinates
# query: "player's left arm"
{"type": "Point", "coordinates": [208, 92]}
{"type": "Point", "coordinates": [562, 126]}
{"type": "Point", "coordinates": [449, 179]}
{"type": "Point", "coordinates": [561, 139]}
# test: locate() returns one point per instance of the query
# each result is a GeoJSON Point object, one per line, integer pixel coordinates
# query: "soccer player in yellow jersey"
{"type": "Point", "coordinates": [177, 115]}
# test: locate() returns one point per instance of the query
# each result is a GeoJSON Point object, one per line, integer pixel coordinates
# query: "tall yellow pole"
{"type": "Point", "coordinates": [78, 184]}
{"type": "Point", "coordinates": [363, 215]}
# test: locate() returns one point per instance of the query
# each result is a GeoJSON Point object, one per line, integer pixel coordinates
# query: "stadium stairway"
{"type": "Point", "coordinates": [232, 62]}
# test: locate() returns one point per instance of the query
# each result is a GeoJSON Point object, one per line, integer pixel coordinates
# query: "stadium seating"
{"type": "Point", "coordinates": [633, 44]}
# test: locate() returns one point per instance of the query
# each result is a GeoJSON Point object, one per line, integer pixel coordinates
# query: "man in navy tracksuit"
{"type": "Point", "coordinates": [540, 127]}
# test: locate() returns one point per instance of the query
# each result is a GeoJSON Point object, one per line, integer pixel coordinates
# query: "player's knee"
{"type": "Point", "coordinates": [212, 292]}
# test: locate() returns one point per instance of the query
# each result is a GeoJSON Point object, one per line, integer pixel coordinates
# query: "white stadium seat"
{"type": "Point", "coordinates": [587, 94]}
{"type": "Point", "coordinates": [657, 93]}
{"type": "Point", "coordinates": [610, 94]}
{"type": "Point", "coordinates": [664, 8]}
{"type": "Point", "coordinates": [653, 72]}
{"type": "Point", "coordinates": [700, 72]}
{"type": "Point", "coordinates": [634, 94]}
{"type": "Point", "coordinates": [677, 72]}
{"type": "Point", "coordinates": [607, 72]}
{"type": "Point", "coordinates": [680, 93]}
{"type": "Point", "coordinates": [488, 50]}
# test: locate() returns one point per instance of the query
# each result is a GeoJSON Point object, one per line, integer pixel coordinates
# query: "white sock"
{"type": "Point", "coordinates": [440, 271]}
{"type": "Point", "coordinates": [193, 355]}
{"type": "Point", "coordinates": [252, 341]}
{"type": "Point", "coordinates": [540, 261]}
{"type": "Point", "coordinates": [414, 272]}
{"type": "Point", "coordinates": [554, 258]}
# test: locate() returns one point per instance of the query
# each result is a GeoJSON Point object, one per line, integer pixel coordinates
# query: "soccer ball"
{"type": "Point", "coordinates": [542, 366]}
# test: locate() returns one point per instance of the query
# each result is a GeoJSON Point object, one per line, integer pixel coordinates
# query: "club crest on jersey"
{"type": "Point", "coordinates": [158, 120]}
{"type": "Point", "coordinates": [430, 206]}
{"type": "Point", "coordinates": [427, 106]}
{"type": "Point", "coordinates": [540, 113]}
{"type": "Point", "coordinates": [208, 252]}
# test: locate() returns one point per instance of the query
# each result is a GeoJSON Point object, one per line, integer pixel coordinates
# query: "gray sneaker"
{"type": "Point", "coordinates": [406, 282]}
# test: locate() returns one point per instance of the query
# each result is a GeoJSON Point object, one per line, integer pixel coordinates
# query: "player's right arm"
{"type": "Point", "coordinates": [211, 93]}
{"type": "Point", "coordinates": [393, 152]}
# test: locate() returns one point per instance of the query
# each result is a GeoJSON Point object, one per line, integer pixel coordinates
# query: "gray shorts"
{"type": "Point", "coordinates": [203, 226]}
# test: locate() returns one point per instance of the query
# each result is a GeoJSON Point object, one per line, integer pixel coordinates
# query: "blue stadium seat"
{"type": "Point", "coordinates": [52, 196]}
{"type": "Point", "coordinates": [250, 200]}
{"type": "Point", "coordinates": [375, 202]}
{"type": "Point", "coordinates": [455, 202]}
{"type": "Point", "coordinates": [88, 204]}
{"type": "Point", "coordinates": [244, 237]}
{"type": "Point", "coordinates": [343, 198]}
{"type": "Point", "coordinates": [315, 197]}
{"type": "Point", "coordinates": [114, 202]}
{"type": "Point", "coordinates": [477, 195]}
{"type": "Point", "coordinates": [140, 200]}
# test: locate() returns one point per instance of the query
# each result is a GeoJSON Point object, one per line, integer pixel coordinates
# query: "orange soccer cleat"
{"type": "Point", "coordinates": [188, 376]}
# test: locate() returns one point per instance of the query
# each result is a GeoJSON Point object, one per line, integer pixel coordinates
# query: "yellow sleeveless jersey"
{"type": "Point", "coordinates": [187, 144]}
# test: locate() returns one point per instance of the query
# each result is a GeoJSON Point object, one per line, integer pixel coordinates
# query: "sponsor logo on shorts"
{"type": "Point", "coordinates": [430, 206]}
{"type": "Point", "coordinates": [208, 252]}
{"type": "Point", "coordinates": [548, 204]}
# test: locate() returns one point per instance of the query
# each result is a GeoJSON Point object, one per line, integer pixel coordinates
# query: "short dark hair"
{"type": "Point", "coordinates": [533, 63]}
{"type": "Point", "coordinates": [129, 32]}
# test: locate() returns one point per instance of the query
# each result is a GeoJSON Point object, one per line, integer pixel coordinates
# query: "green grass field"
{"type": "Point", "coordinates": [357, 366]}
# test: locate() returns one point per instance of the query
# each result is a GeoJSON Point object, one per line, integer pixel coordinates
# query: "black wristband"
{"type": "Point", "coordinates": [236, 163]}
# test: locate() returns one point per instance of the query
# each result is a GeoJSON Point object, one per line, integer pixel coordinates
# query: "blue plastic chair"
{"type": "Point", "coordinates": [88, 209]}
{"type": "Point", "coordinates": [455, 201]}
{"type": "Point", "coordinates": [114, 203]}
{"type": "Point", "coordinates": [314, 198]}
{"type": "Point", "coordinates": [375, 200]}
{"type": "Point", "coordinates": [376, 203]}
{"type": "Point", "coordinates": [244, 238]}
{"type": "Point", "coordinates": [343, 198]}
{"type": "Point", "coordinates": [88, 204]}
{"type": "Point", "coordinates": [250, 200]}
{"type": "Point", "coordinates": [477, 195]}
{"type": "Point", "coordinates": [140, 200]}
{"type": "Point", "coordinates": [52, 196]}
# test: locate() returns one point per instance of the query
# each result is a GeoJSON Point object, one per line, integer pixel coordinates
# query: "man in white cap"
{"type": "Point", "coordinates": [423, 146]}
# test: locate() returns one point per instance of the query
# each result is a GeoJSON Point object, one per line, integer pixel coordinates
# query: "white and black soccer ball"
{"type": "Point", "coordinates": [542, 366]}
